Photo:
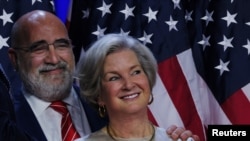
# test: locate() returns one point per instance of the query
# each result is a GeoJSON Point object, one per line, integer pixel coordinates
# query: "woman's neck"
{"type": "Point", "coordinates": [130, 129]}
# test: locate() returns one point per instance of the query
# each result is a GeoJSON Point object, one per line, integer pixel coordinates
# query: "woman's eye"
{"type": "Point", "coordinates": [136, 72]}
{"type": "Point", "coordinates": [113, 78]}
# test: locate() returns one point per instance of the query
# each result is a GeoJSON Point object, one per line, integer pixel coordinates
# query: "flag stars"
{"type": "Point", "coordinates": [188, 16]}
{"type": "Point", "coordinates": [128, 11]}
{"type": "Point", "coordinates": [204, 42]}
{"type": "Point", "coordinates": [248, 23]}
{"type": "Point", "coordinates": [222, 67]}
{"type": "Point", "coordinates": [172, 24]}
{"type": "Point", "coordinates": [123, 32]}
{"type": "Point", "coordinates": [6, 17]}
{"type": "Point", "coordinates": [176, 4]}
{"type": "Point", "coordinates": [3, 42]}
{"type": "Point", "coordinates": [247, 46]}
{"type": "Point", "coordinates": [100, 32]}
{"type": "Point", "coordinates": [230, 18]}
{"type": "Point", "coordinates": [208, 17]}
{"type": "Point", "coordinates": [151, 15]}
{"type": "Point", "coordinates": [226, 42]}
{"type": "Point", "coordinates": [105, 8]}
{"type": "Point", "coordinates": [33, 1]}
{"type": "Point", "coordinates": [146, 38]}
{"type": "Point", "coordinates": [85, 13]}
{"type": "Point", "coordinates": [53, 5]}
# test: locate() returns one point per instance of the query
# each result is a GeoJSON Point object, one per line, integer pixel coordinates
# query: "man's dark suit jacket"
{"type": "Point", "coordinates": [27, 121]}
{"type": "Point", "coordinates": [8, 128]}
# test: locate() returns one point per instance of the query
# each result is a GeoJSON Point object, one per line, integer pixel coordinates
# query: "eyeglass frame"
{"type": "Point", "coordinates": [31, 48]}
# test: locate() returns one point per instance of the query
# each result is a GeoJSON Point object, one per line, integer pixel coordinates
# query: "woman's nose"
{"type": "Point", "coordinates": [128, 83]}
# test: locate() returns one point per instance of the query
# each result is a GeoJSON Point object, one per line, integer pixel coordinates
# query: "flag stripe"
{"type": "Point", "coordinates": [167, 117]}
{"type": "Point", "coordinates": [177, 86]}
{"type": "Point", "coordinates": [235, 108]}
{"type": "Point", "coordinates": [202, 96]}
{"type": "Point", "coordinates": [246, 91]}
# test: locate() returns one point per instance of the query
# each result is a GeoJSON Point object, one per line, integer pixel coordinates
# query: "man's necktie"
{"type": "Point", "coordinates": [69, 132]}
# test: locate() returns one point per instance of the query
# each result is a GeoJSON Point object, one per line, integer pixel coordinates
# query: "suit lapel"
{"type": "Point", "coordinates": [26, 118]}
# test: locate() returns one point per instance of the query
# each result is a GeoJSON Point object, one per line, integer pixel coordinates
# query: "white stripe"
{"type": "Point", "coordinates": [246, 90]}
{"type": "Point", "coordinates": [208, 108]}
{"type": "Point", "coordinates": [163, 108]}
{"type": "Point", "coordinates": [73, 137]}
{"type": "Point", "coordinates": [66, 134]}
{"type": "Point", "coordinates": [66, 119]}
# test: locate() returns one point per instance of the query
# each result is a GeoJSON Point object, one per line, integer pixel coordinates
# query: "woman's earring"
{"type": "Point", "coordinates": [102, 111]}
{"type": "Point", "coordinates": [151, 99]}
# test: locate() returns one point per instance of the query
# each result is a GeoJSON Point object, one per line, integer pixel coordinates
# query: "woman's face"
{"type": "Point", "coordinates": [125, 86]}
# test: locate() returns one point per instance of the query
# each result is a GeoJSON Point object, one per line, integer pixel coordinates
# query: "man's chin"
{"type": "Point", "coordinates": [55, 80]}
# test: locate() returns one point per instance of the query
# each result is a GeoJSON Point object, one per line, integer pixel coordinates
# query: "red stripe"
{"type": "Point", "coordinates": [237, 108]}
{"type": "Point", "coordinates": [176, 84]}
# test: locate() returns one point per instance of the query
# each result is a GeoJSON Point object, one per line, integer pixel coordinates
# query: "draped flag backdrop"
{"type": "Point", "coordinates": [202, 48]}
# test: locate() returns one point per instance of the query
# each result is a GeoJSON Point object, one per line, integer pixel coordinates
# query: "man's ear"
{"type": "Point", "coordinates": [13, 57]}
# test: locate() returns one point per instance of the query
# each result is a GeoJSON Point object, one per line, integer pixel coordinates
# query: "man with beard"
{"type": "Point", "coordinates": [41, 52]}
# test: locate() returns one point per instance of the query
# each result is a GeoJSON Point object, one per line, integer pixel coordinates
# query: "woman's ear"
{"type": "Point", "coordinates": [100, 100]}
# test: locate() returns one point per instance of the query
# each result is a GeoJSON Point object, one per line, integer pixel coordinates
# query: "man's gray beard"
{"type": "Point", "coordinates": [42, 87]}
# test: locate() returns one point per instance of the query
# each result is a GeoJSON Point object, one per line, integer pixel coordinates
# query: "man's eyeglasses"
{"type": "Point", "coordinates": [41, 48]}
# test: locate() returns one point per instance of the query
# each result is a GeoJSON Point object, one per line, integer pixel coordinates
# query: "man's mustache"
{"type": "Point", "coordinates": [49, 67]}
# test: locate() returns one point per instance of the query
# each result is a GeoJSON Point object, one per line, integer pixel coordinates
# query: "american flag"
{"type": "Point", "coordinates": [202, 48]}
